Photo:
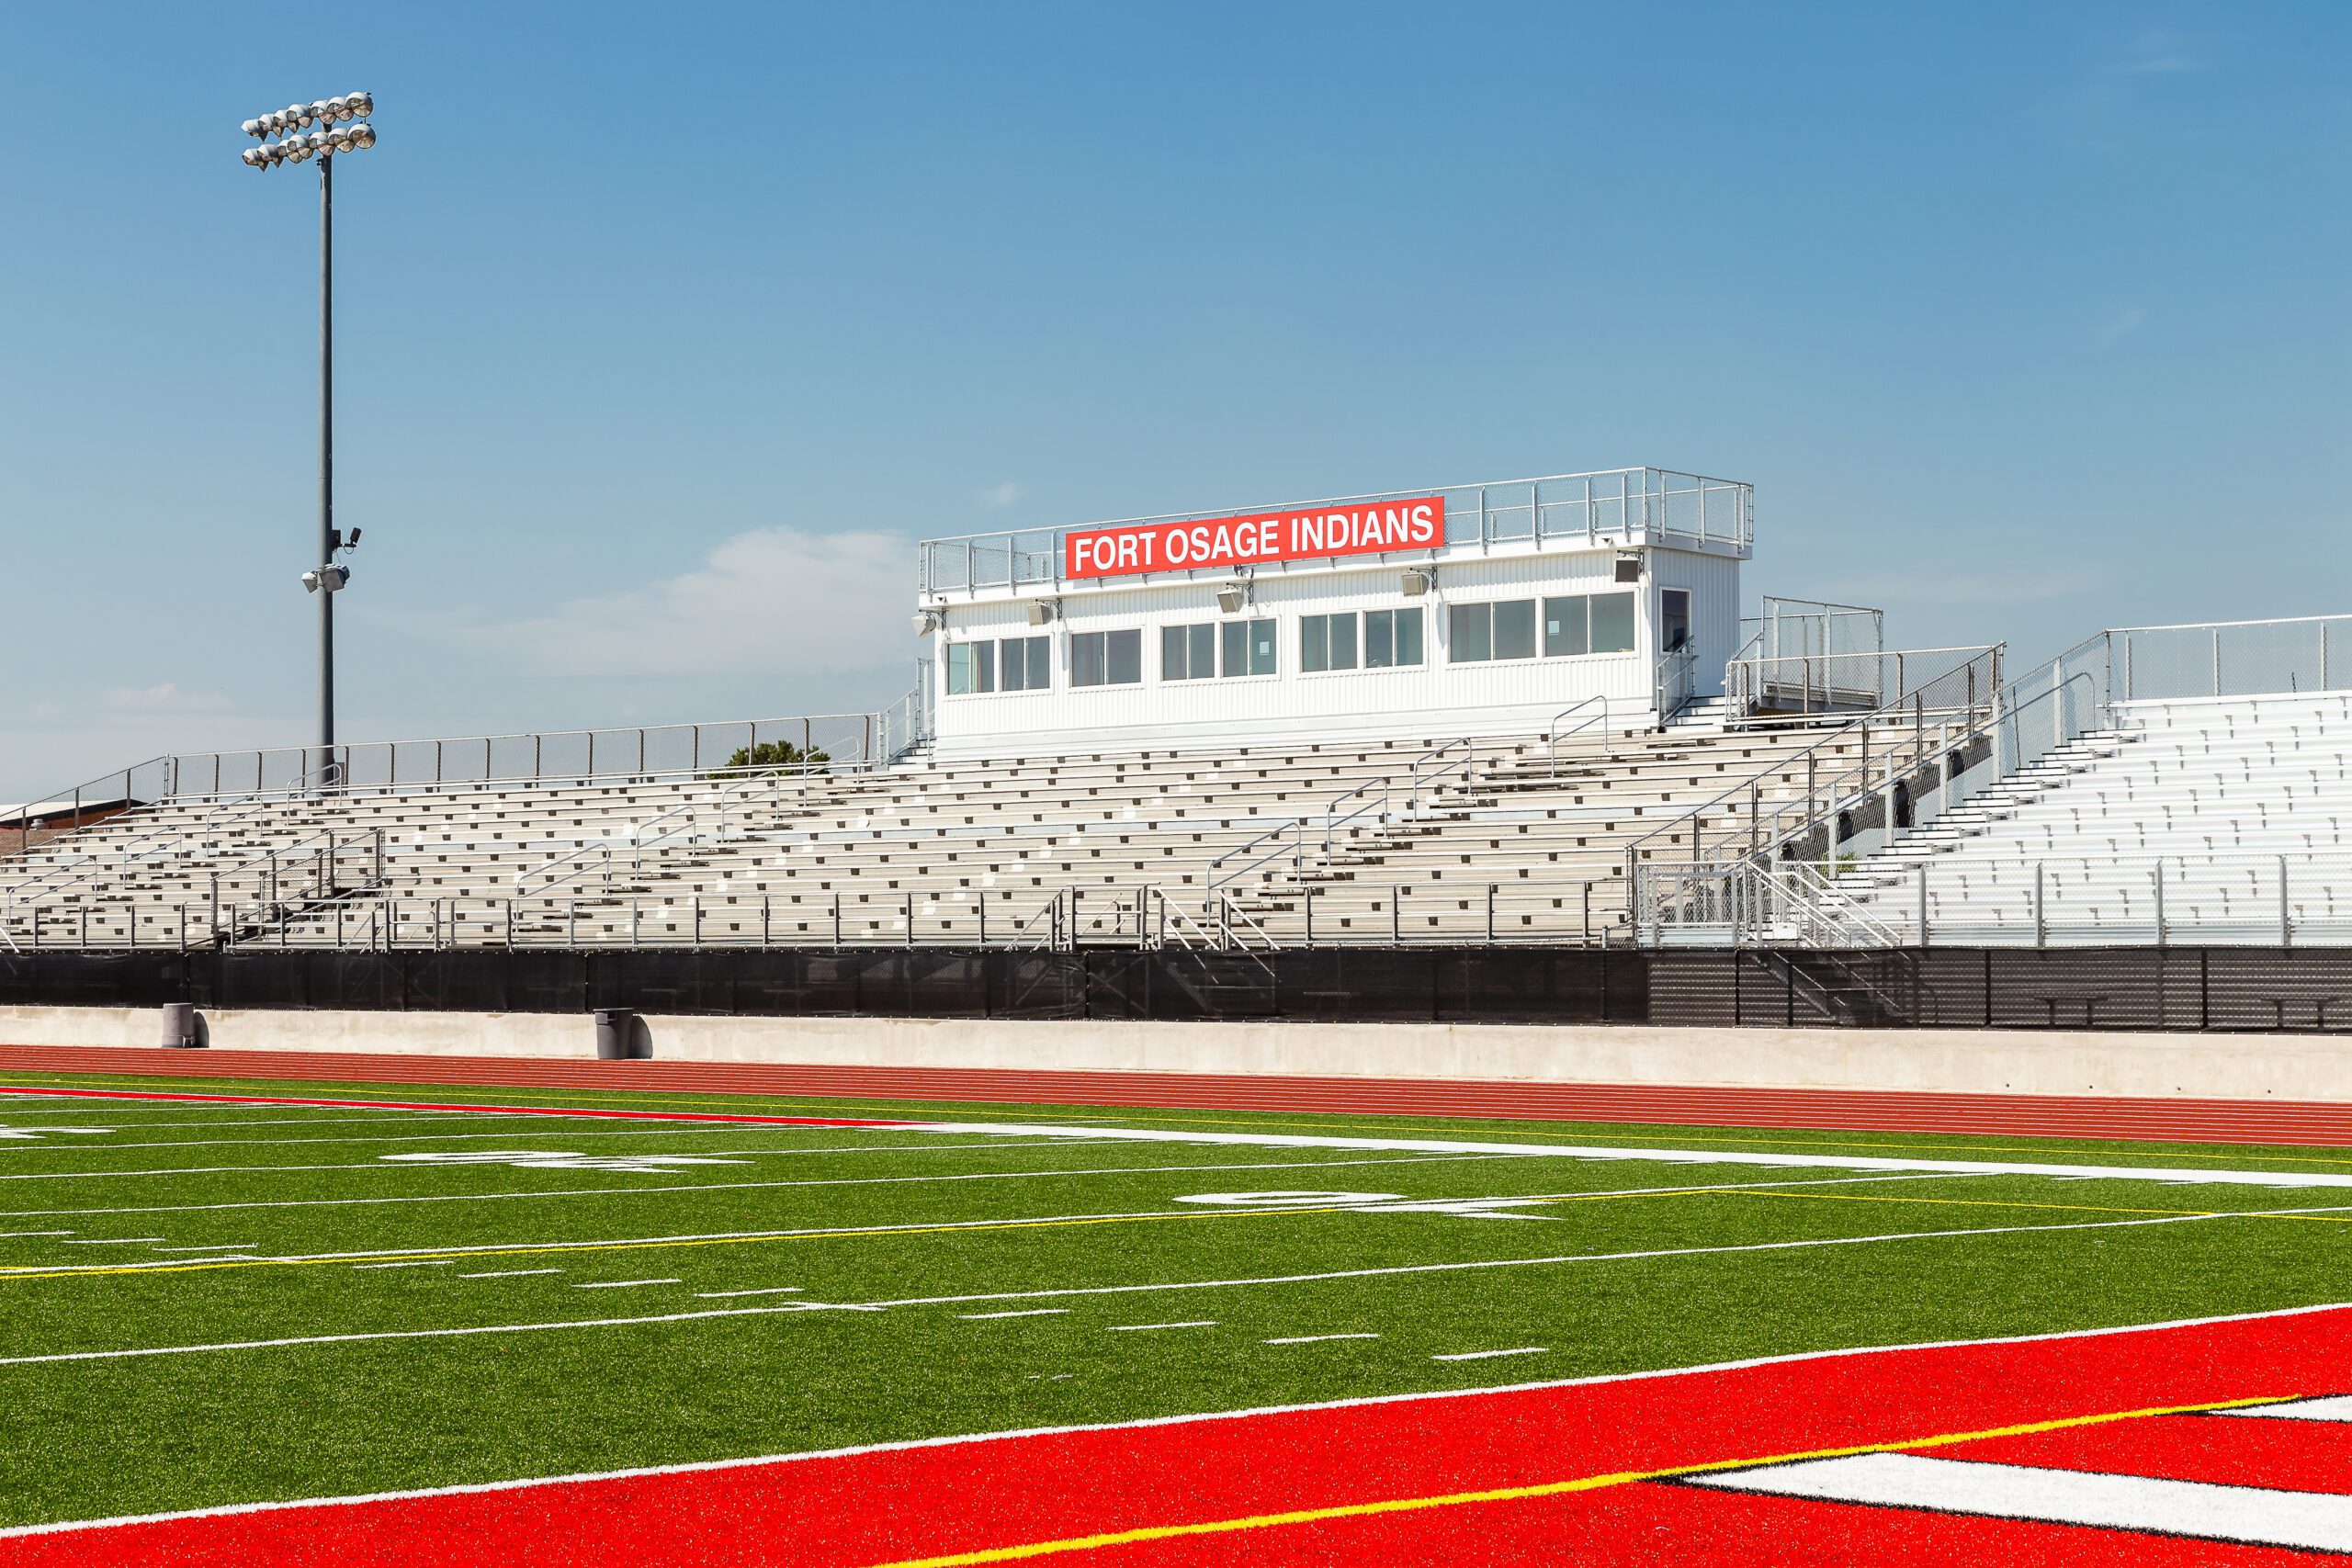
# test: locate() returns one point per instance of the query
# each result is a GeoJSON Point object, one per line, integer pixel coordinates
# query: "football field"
{"type": "Point", "coordinates": [482, 1324]}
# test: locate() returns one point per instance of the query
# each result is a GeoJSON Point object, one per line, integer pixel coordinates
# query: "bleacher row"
{"type": "Point", "coordinates": [1431, 839]}
{"type": "Point", "coordinates": [2230, 813]}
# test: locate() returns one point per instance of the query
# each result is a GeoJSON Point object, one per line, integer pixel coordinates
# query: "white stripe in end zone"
{"type": "Point", "coordinates": [1147, 1423]}
{"type": "Point", "coordinates": [2337, 1407]}
{"type": "Point", "coordinates": [1670, 1157]}
{"type": "Point", "coordinates": [2308, 1521]}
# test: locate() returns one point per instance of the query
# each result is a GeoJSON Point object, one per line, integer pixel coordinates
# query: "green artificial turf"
{"type": "Point", "coordinates": [993, 1222]}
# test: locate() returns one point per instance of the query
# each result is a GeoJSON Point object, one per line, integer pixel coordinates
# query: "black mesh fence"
{"type": "Point", "coordinates": [2120, 988]}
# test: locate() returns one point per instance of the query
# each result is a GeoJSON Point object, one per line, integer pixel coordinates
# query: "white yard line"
{"type": "Point", "coordinates": [1150, 1327]}
{"type": "Point", "coordinates": [373, 1164]}
{"type": "Point", "coordinates": [412, 1263]}
{"type": "Point", "coordinates": [117, 1241]}
{"type": "Point", "coordinates": [667, 1189]}
{"type": "Point", "coordinates": [214, 1246]}
{"type": "Point", "coordinates": [1664, 1156]}
{"type": "Point", "coordinates": [1490, 1355]}
{"type": "Point", "coordinates": [1305, 1206]}
{"type": "Point", "coordinates": [1067, 1291]}
{"type": "Point", "coordinates": [12, 1235]}
{"type": "Point", "coordinates": [621, 1284]}
{"type": "Point", "coordinates": [509, 1274]}
{"type": "Point", "coordinates": [1018, 1311]}
{"type": "Point", "coordinates": [1315, 1339]}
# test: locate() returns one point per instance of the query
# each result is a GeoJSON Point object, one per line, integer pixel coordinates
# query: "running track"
{"type": "Point", "coordinates": [1601, 1468]}
{"type": "Point", "coordinates": [2191, 1121]}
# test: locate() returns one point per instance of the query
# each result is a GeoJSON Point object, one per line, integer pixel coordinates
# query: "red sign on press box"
{"type": "Point", "coordinates": [1368, 529]}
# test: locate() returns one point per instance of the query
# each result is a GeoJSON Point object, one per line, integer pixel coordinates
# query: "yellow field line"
{"type": "Point", "coordinates": [1545, 1489]}
{"type": "Point", "coordinates": [84, 1270]}
{"type": "Point", "coordinates": [1762, 1191]}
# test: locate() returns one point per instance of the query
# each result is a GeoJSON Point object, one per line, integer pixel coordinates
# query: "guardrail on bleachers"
{"type": "Point", "coordinates": [332, 914]}
{"type": "Point", "coordinates": [1612, 505]}
{"type": "Point", "coordinates": [1805, 688]}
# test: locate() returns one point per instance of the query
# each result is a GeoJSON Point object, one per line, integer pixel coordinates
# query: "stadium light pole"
{"type": "Point", "coordinates": [320, 129]}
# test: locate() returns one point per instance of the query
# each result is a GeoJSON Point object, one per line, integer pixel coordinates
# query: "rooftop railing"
{"type": "Point", "coordinates": [1620, 506]}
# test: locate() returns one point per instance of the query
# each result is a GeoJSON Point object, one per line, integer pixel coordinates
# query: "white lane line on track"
{"type": "Point", "coordinates": [667, 1189]}
{"type": "Point", "coordinates": [2328, 1407]}
{"type": "Point", "coordinates": [1017, 1312]}
{"type": "Point", "coordinates": [621, 1284]}
{"type": "Point", "coordinates": [1664, 1156]}
{"type": "Point", "coordinates": [2253, 1515]}
{"type": "Point", "coordinates": [509, 1274]}
{"type": "Point", "coordinates": [1315, 1339]}
{"type": "Point", "coordinates": [1198, 1418]}
{"type": "Point", "coordinates": [224, 1346]}
{"type": "Point", "coordinates": [1490, 1355]}
{"type": "Point", "coordinates": [1150, 1327]}
{"type": "Point", "coordinates": [1308, 1206]}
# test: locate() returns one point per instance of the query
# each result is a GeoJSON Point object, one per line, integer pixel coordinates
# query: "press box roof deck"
{"type": "Point", "coordinates": [1471, 609]}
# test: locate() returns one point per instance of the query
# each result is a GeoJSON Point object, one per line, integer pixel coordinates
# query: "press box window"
{"type": "Point", "coordinates": [1188, 653]}
{"type": "Point", "coordinates": [1025, 663]}
{"type": "Point", "coordinates": [1391, 638]}
{"type": "Point", "coordinates": [1016, 664]}
{"type": "Point", "coordinates": [1588, 623]}
{"type": "Point", "coordinates": [1327, 642]}
{"type": "Point", "coordinates": [1249, 648]}
{"type": "Point", "coordinates": [1502, 630]}
{"type": "Point", "coordinates": [1106, 658]}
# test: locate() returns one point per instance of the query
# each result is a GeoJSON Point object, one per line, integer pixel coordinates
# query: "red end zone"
{"type": "Point", "coordinates": [1599, 1471]}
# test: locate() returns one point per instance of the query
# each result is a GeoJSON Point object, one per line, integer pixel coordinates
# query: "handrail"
{"type": "Point", "coordinates": [120, 856]}
{"type": "Point", "coordinates": [1554, 734]}
{"type": "Point", "coordinates": [1838, 797]}
{"type": "Point", "coordinates": [1332, 820]}
{"type": "Point", "coordinates": [1466, 766]}
{"type": "Point", "coordinates": [1678, 671]}
{"type": "Point", "coordinates": [1862, 724]}
{"type": "Point", "coordinates": [551, 883]}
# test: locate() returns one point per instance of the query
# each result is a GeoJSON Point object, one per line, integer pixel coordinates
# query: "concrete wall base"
{"type": "Point", "coordinates": [2288, 1068]}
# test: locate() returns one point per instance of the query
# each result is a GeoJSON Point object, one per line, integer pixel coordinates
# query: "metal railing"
{"type": "Point", "coordinates": [1677, 681]}
{"type": "Point", "coordinates": [1805, 688]}
{"type": "Point", "coordinates": [1556, 732]}
{"type": "Point", "coordinates": [1577, 912]}
{"type": "Point", "coordinates": [1620, 506]}
{"type": "Point", "coordinates": [1734, 824]}
{"type": "Point", "coordinates": [2260, 900]}
{"type": "Point", "coordinates": [1453, 763]}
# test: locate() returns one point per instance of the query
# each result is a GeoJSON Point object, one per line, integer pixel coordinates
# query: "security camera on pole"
{"type": "Point", "coordinates": [303, 131]}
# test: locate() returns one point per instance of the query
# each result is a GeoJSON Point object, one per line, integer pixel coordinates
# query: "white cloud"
{"type": "Point", "coordinates": [165, 698]}
{"type": "Point", "coordinates": [996, 498]}
{"type": "Point", "coordinates": [775, 600]}
{"type": "Point", "coordinates": [2123, 324]}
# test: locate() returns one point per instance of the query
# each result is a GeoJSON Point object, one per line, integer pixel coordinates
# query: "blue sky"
{"type": "Point", "coordinates": [663, 330]}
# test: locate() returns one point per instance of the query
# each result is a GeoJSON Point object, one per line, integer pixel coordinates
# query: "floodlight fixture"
{"type": "Point", "coordinates": [1629, 565]}
{"type": "Point", "coordinates": [1232, 596]}
{"type": "Point", "coordinates": [927, 622]}
{"type": "Point", "coordinates": [296, 134]}
{"type": "Point", "coordinates": [1040, 611]}
{"type": "Point", "coordinates": [1416, 581]}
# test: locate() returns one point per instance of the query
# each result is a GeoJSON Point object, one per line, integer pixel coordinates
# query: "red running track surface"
{"type": "Point", "coordinates": [2190, 1121]}
{"type": "Point", "coordinates": [994, 1495]}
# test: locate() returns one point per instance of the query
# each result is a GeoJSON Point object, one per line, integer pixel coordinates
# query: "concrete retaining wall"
{"type": "Point", "coordinates": [2232, 1067]}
